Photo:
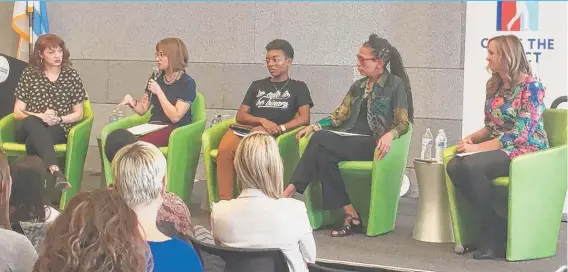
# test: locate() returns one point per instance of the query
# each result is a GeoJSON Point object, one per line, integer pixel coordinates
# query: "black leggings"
{"type": "Point", "coordinates": [320, 161]}
{"type": "Point", "coordinates": [473, 176]}
{"type": "Point", "coordinates": [40, 138]}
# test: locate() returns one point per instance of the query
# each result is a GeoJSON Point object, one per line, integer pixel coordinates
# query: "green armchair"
{"type": "Point", "coordinates": [182, 152]}
{"type": "Point", "coordinates": [373, 187]}
{"type": "Point", "coordinates": [73, 153]}
{"type": "Point", "coordinates": [537, 189]}
{"type": "Point", "coordinates": [287, 144]}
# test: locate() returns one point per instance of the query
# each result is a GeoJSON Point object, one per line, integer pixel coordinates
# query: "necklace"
{"type": "Point", "coordinates": [170, 82]}
{"type": "Point", "coordinates": [277, 90]}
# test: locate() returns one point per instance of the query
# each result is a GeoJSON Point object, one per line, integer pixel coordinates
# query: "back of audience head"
{"type": "Point", "coordinates": [96, 232]}
{"type": "Point", "coordinates": [116, 140]}
{"type": "Point", "coordinates": [258, 164]}
{"type": "Point", "coordinates": [139, 172]}
{"type": "Point", "coordinates": [5, 187]}
{"type": "Point", "coordinates": [27, 200]}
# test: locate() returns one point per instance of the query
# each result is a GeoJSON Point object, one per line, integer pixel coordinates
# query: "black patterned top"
{"type": "Point", "coordinates": [40, 94]}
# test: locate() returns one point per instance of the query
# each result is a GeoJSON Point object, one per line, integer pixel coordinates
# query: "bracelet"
{"type": "Point", "coordinates": [283, 128]}
{"type": "Point", "coordinates": [316, 127]}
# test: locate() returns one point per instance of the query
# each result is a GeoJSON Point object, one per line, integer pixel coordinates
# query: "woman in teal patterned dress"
{"type": "Point", "coordinates": [513, 126]}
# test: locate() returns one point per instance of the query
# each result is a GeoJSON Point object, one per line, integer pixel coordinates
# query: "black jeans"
{"type": "Point", "coordinates": [40, 138]}
{"type": "Point", "coordinates": [473, 176]}
{"type": "Point", "coordinates": [320, 161]}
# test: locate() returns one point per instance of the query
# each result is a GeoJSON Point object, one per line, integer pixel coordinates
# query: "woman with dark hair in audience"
{"type": "Point", "coordinates": [28, 210]}
{"type": "Point", "coordinates": [378, 106]}
{"type": "Point", "coordinates": [49, 101]}
{"type": "Point", "coordinates": [274, 104]}
{"type": "Point", "coordinates": [96, 232]}
{"type": "Point", "coordinates": [16, 251]}
{"type": "Point", "coordinates": [513, 126]}
{"type": "Point", "coordinates": [170, 92]}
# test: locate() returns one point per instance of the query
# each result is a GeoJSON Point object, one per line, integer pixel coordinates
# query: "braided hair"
{"type": "Point", "coordinates": [383, 50]}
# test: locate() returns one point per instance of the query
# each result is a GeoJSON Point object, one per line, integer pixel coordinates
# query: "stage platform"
{"type": "Point", "coordinates": [396, 251]}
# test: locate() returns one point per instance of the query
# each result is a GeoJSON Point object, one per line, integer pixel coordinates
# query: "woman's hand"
{"type": "Point", "coordinates": [461, 145]}
{"type": "Point", "coordinates": [270, 126]}
{"type": "Point", "coordinates": [304, 132]}
{"type": "Point", "coordinates": [154, 87]}
{"type": "Point", "coordinates": [467, 147]}
{"type": "Point", "coordinates": [49, 117]}
{"type": "Point", "coordinates": [383, 145]}
{"type": "Point", "coordinates": [127, 100]}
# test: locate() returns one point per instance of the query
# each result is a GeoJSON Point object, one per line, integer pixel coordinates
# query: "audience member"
{"type": "Point", "coordinates": [139, 172]}
{"type": "Point", "coordinates": [513, 126]}
{"type": "Point", "coordinates": [275, 104]}
{"type": "Point", "coordinates": [378, 107]}
{"type": "Point", "coordinates": [258, 217]}
{"type": "Point", "coordinates": [16, 252]}
{"type": "Point", "coordinates": [170, 92]}
{"type": "Point", "coordinates": [97, 232]}
{"type": "Point", "coordinates": [28, 210]}
{"type": "Point", "coordinates": [173, 217]}
{"type": "Point", "coordinates": [49, 101]}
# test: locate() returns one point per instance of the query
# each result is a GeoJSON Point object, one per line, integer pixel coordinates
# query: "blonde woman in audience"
{"type": "Point", "coordinates": [139, 172]}
{"type": "Point", "coordinates": [16, 252]}
{"type": "Point", "coordinates": [97, 232]}
{"type": "Point", "coordinates": [259, 218]}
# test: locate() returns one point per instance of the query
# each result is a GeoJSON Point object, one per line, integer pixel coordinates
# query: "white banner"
{"type": "Point", "coordinates": [542, 26]}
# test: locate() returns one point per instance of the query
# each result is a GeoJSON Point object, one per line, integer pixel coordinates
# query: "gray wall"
{"type": "Point", "coordinates": [112, 45]}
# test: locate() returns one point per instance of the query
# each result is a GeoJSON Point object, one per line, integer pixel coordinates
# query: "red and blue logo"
{"type": "Point", "coordinates": [517, 15]}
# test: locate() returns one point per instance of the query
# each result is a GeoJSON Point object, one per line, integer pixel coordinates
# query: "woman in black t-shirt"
{"type": "Point", "coordinates": [170, 92]}
{"type": "Point", "coordinates": [270, 105]}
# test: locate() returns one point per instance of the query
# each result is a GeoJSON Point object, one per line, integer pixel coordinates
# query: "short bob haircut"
{"type": "Point", "coordinates": [176, 51]}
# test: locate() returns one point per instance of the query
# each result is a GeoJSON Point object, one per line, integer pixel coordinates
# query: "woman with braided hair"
{"type": "Point", "coordinates": [378, 106]}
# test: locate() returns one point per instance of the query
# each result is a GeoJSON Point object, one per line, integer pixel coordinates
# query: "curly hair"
{"type": "Point", "coordinates": [96, 232]}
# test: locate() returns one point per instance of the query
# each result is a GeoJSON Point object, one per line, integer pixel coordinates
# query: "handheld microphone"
{"type": "Point", "coordinates": [155, 72]}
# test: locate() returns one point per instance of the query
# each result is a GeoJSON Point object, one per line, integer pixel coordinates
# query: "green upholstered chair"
{"type": "Point", "coordinates": [287, 144]}
{"type": "Point", "coordinates": [73, 153]}
{"type": "Point", "coordinates": [182, 152]}
{"type": "Point", "coordinates": [537, 189]}
{"type": "Point", "coordinates": [372, 186]}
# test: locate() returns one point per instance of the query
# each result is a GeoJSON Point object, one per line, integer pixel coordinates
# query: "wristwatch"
{"type": "Point", "coordinates": [283, 128]}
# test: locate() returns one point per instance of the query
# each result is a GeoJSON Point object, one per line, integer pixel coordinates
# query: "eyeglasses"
{"type": "Point", "coordinates": [275, 60]}
{"type": "Point", "coordinates": [361, 59]}
{"type": "Point", "coordinates": [160, 55]}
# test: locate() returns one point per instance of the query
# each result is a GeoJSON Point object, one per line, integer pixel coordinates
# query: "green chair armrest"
{"type": "Point", "coordinates": [77, 147]}
{"type": "Point", "coordinates": [7, 129]}
{"type": "Point", "coordinates": [184, 147]}
{"type": "Point", "coordinates": [537, 190]}
{"type": "Point", "coordinates": [127, 122]}
{"type": "Point", "coordinates": [209, 141]}
{"type": "Point", "coordinates": [288, 146]}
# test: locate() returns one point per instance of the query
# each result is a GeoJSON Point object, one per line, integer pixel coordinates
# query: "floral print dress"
{"type": "Point", "coordinates": [515, 118]}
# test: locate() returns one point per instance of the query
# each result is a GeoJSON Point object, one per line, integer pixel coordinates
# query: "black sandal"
{"type": "Point", "coordinates": [348, 227]}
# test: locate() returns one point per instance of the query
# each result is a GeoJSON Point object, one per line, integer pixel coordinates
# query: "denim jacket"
{"type": "Point", "coordinates": [387, 108]}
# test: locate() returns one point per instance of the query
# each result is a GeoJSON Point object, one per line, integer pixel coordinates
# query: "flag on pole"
{"type": "Point", "coordinates": [30, 21]}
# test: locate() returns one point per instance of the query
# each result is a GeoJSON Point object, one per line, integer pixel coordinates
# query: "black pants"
{"type": "Point", "coordinates": [320, 162]}
{"type": "Point", "coordinates": [473, 177]}
{"type": "Point", "coordinates": [40, 138]}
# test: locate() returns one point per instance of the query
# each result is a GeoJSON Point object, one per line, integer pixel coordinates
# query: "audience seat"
{"type": "Point", "coordinates": [239, 259]}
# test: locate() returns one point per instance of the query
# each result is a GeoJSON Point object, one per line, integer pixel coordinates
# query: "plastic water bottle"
{"type": "Point", "coordinates": [115, 116]}
{"type": "Point", "coordinates": [216, 120]}
{"type": "Point", "coordinates": [441, 144]}
{"type": "Point", "coordinates": [426, 152]}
